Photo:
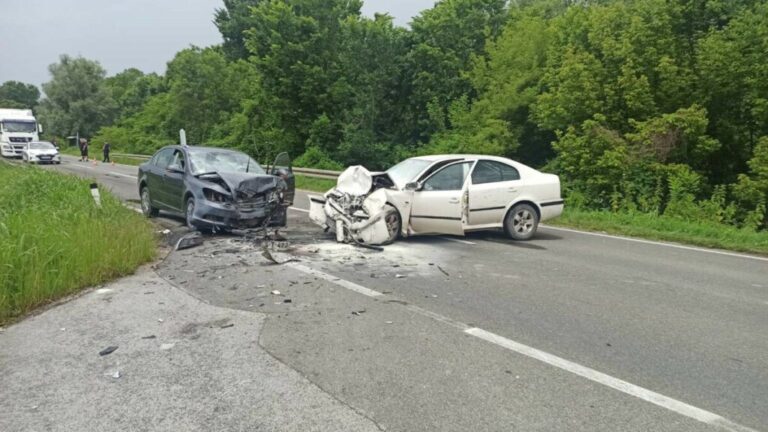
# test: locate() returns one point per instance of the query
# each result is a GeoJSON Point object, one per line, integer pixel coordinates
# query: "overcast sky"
{"type": "Point", "coordinates": [120, 33]}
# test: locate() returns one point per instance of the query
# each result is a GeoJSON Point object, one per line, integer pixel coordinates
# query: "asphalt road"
{"type": "Point", "coordinates": [571, 331]}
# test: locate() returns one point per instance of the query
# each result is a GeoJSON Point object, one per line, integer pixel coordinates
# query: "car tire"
{"type": "Point", "coordinates": [521, 222]}
{"type": "Point", "coordinates": [394, 223]}
{"type": "Point", "coordinates": [189, 211]}
{"type": "Point", "coordinates": [146, 203]}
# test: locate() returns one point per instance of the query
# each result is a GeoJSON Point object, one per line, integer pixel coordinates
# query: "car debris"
{"type": "Point", "coordinates": [149, 337]}
{"type": "Point", "coordinates": [399, 276]}
{"type": "Point", "coordinates": [167, 346]}
{"type": "Point", "coordinates": [443, 271]}
{"type": "Point", "coordinates": [107, 351]}
{"type": "Point", "coordinates": [271, 258]}
{"type": "Point", "coordinates": [275, 292]}
{"type": "Point", "coordinates": [226, 326]}
{"type": "Point", "coordinates": [116, 375]}
{"type": "Point", "coordinates": [189, 241]}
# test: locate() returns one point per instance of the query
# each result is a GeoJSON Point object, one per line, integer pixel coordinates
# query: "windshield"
{"type": "Point", "coordinates": [407, 170]}
{"type": "Point", "coordinates": [41, 146]}
{"type": "Point", "coordinates": [20, 126]}
{"type": "Point", "coordinates": [214, 160]}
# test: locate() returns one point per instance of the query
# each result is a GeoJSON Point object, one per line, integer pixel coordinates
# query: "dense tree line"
{"type": "Point", "coordinates": [657, 106]}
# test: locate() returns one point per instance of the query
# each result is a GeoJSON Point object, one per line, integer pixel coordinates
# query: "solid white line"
{"type": "Point", "coordinates": [299, 210]}
{"type": "Point", "coordinates": [456, 240]}
{"type": "Point", "coordinates": [672, 245]}
{"type": "Point", "coordinates": [338, 281]}
{"type": "Point", "coordinates": [614, 383]}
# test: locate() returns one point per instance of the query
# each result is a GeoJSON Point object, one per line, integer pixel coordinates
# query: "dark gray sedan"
{"type": "Point", "coordinates": [216, 188]}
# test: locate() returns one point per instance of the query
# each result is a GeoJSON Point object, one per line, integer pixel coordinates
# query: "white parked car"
{"type": "Point", "coordinates": [445, 194]}
{"type": "Point", "coordinates": [40, 152]}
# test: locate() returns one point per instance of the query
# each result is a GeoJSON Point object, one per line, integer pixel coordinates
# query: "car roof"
{"type": "Point", "coordinates": [438, 158]}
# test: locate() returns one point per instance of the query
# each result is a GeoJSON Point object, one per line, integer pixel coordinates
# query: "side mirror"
{"type": "Point", "coordinates": [39, 128]}
{"type": "Point", "coordinates": [413, 186]}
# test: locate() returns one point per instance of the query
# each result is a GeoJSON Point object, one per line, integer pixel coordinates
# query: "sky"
{"type": "Point", "coordinates": [144, 34]}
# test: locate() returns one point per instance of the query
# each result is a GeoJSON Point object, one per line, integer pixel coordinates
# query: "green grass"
{"type": "Point", "coordinates": [54, 240]}
{"type": "Point", "coordinates": [314, 184]}
{"type": "Point", "coordinates": [667, 229]}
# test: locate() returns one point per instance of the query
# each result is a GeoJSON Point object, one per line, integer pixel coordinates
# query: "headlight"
{"type": "Point", "coordinates": [213, 196]}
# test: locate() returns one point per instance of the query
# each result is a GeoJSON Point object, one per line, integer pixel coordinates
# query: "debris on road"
{"type": "Point", "coordinates": [399, 276]}
{"type": "Point", "coordinates": [116, 375]}
{"type": "Point", "coordinates": [160, 320]}
{"type": "Point", "coordinates": [287, 301]}
{"type": "Point", "coordinates": [189, 241]}
{"type": "Point", "coordinates": [226, 326]}
{"type": "Point", "coordinates": [167, 346]}
{"type": "Point", "coordinates": [107, 351]}
{"type": "Point", "coordinates": [149, 337]}
{"type": "Point", "coordinates": [358, 313]}
{"type": "Point", "coordinates": [275, 292]}
{"type": "Point", "coordinates": [444, 272]}
{"type": "Point", "coordinates": [268, 255]}
{"type": "Point", "coordinates": [389, 322]}
{"type": "Point", "coordinates": [165, 232]}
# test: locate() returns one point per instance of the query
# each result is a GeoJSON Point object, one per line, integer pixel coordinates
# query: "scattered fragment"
{"type": "Point", "coordinates": [358, 313]}
{"type": "Point", "coordinates": [63, 329]}
{"type": "Point", "coordinates": [2, 330]}
{"type": "Point", "coordinates": [103, 291]}
{"type": "Point", "coordinates": [287, 301]}
{"type": "Point", "coordinates": [444, 272]}
{"type": "Point", "coordinates": [107, 351]}
{"type": "Point", "coordinates": [399, 276]}
{"type": "Point", "coordinates": [149, 292]}
{"type": "Point", "coordinates": [166, 347]}
{"type": "Point", "coordinates": [275, 292]}
{"type": "Point", "coordinates": [160, 320]}
{"type": "Point", "coordinates": [261, 286]}
{"type": "Point", "coordinates": [149, 337]}
{"type": "Point", "coordinates": [226, 326]}
{"type": "Point", "coordinates": [268, 255]}
{"type": "Point", "coordinates": [389, 322]}
{"type": "Point", "coordinates": [165, 232]}
{"type": "Point", "coordinates": [116, 375]}
{"type": "Point", "coordinates": [189, 241]}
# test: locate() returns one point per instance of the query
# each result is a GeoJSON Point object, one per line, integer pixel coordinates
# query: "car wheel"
{"type": "Point", "coordinates": [146, 204]}
{"type": "Point", "coordinates": [190, 212]}
{"type": "Point", "coordinates": [394, 224]}
{"type": "Point", "coordinates": [521, 222]}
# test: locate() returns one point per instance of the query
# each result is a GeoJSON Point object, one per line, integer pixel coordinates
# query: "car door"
{"type": "Point", "coordinates": [173, 180]}
{"type": "Point", "coordinates": [155, 172]}
{"type": "Point", "coordinates": [282, 168]}
{"type": "Point", "coordinates": [493, 185]}
{"type": "Point", "coordinates": [437, 204]}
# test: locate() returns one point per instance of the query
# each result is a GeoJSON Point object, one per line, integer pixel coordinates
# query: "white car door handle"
{"type": "Point", "coordinates": [453, 201]}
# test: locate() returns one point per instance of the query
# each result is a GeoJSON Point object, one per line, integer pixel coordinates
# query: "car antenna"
{"type": "Point", "coordinates": [183, 137]}
{"type": "Point", "coordinates": [248, 167]}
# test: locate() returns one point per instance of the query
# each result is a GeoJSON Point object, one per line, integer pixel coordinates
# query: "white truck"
{"type": "Point", "coordinates": [17, 128]}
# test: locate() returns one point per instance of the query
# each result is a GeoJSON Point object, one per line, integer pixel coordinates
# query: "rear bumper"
{"type": "Point", "coordinates": [551, 210]}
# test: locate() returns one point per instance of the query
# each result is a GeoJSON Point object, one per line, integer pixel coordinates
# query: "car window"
{"type": "Point", "coordinates": [177, 161]}
{"type": "Point", "coordinates": [491, 172]}
{"type": "Point", "coordinates": [449, 178]}
{"type": "Point", "coordinates": [163, 158]}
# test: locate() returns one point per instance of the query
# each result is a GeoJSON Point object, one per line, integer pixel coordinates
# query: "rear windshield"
{"type": "Point", "coordinates": [214, 160]}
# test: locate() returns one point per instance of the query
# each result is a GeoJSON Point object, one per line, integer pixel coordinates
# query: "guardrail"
{"type": "Point", "coordinates": [309, 172]}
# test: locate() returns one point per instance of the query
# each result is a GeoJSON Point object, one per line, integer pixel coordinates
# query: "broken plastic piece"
{"type": "Point", "coordinates": [107, 351]}
{"type": "Point", "coordinates": [189, 241]}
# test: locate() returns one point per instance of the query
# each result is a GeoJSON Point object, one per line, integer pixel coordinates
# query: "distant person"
{"type": "Point", "coordinates": [106, 150]}
{"type": "Point", "coordinates": [83, 150]}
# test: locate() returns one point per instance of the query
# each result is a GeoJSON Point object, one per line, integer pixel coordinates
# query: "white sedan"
{"type": "Point", "coordinates": [40, 152]}
{"type": "Point", "coordinates": [445, 194]}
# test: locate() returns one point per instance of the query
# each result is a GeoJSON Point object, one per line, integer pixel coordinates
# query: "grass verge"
{"type": "Point", "coordinates": [314, 184]}
{"type": "Point", "coordinates": [665, 228]}
{"type": "Point", "coordinates": [55, 241]}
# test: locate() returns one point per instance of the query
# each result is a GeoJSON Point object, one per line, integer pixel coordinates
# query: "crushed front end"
{"type": "Point", "coordinates": [356, 210]}
{"type": "Point", "coordinates": [241, 201]}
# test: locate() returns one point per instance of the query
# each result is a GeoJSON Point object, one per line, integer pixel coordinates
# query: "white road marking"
{"type": "Point", "coordinates": [299, 209]}
{"type": "Point", "coordinates": [609, 381]}
{"type": "Point", "coordinates": [456, 240]}
{"type": "Point", "coordinates": [672, 245]}
{"type": "Point", "coordinates": [625, 387]}
{"type": "Point", "coordinates": [338, 281]}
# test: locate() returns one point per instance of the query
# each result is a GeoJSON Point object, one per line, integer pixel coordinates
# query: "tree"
{"type": "Point", "coordinates": [77, 100]}
{"type": "Point", "coordinates": [15, 94]}
{"type": "Point", "coordinates": [232, 21]}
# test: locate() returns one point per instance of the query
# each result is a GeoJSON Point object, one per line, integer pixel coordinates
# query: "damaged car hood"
{"type": "Point", "coordinates": [248, 184]}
